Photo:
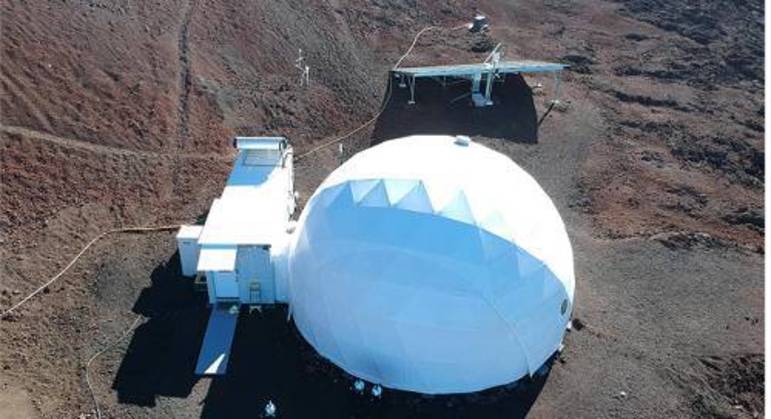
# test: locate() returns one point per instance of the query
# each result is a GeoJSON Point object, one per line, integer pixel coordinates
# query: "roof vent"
{"type": "Point", "coordinates": [462, 140]}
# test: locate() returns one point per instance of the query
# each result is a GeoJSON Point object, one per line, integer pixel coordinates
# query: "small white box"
{"type": "Point", "coordinates": [187, 244]}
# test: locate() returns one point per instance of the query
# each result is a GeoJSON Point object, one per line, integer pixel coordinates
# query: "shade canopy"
{"type": "Point", "coordinates": [432, 264]}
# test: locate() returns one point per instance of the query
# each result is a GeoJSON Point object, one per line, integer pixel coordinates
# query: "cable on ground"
{"type": "Point", "coordinates": [100, 352]}
{"type": "Point", "coordinates": [75, 259]}
{"type": "Point", "coordinates": [548, 111]}
{"type": "Point", "coordinates": [385, 101]}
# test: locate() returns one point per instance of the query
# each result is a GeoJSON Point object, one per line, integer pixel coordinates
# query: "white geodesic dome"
{"type": "Point", "coordinates": [430, 265]}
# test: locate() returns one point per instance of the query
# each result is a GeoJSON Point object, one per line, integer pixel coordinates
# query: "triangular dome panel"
{"type": "Point", "coordinates": [328, 195]}
{"type": "Point", "coordinates": [360, 188]}
{"type": "Point", "coordinates": [496, 224]}
{"type": "Point", "coordinates": [376, 197]}
{"type": "Point", "coordinates": [398, 188]}
{"type": "Point", "coordinates": [495, 247]}
{"type": "Point", "coordinates": [440, 193]}
{"type": "Point", "coordinates": [459, 210]}
{"type": "Point", "coordinates": [416, 200]}
{"type": "Point", "coordinates": [527, 264]}
{"type": "Point", "coordinates": [341, 196]}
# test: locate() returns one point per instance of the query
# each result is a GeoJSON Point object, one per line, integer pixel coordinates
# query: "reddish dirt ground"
{"type": "Point", "coordinates": [118, 113]}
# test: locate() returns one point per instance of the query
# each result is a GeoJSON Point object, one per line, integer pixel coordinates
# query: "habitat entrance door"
{"type": "Point", "coordinates": [255, 274]}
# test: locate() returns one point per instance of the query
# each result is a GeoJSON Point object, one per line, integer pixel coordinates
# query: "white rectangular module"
{"type": "Point", "coordinates": [254, 207]}
{"type": "Point", "coordinates": [245, 222]}
{"type": "Point", "coordinates": [246, 218]}
{"type": "Point", "coordinates": [187, 245]}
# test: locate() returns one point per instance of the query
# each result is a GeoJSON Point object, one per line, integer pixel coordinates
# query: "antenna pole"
{"type": "Point", "coordinates": [305, 70]}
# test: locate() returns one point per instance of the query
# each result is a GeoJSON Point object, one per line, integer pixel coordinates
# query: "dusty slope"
{"type": "Point", "coordinates": [116, 113]}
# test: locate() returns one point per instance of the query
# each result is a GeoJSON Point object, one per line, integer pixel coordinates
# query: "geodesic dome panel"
{"type": "Point", "coordinates": [425, 281]}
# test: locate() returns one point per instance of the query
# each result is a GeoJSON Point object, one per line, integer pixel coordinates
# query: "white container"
{"type": "Point", "coordinates": [187, 244]}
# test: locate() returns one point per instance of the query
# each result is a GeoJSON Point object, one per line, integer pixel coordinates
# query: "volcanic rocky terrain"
{"type": "Point", "coordinates": [121, 113]}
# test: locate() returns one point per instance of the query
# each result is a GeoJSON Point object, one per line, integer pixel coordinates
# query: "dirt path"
{"type": "Point", "coordinates": [102, 149]}
{"type": "Point", "coordinates": [185, 74]}
{"type": "Point", "coordinates": [183, 101]}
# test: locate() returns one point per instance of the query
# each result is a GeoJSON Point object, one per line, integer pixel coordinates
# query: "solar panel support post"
{"type": "Point", "coordinates": [411, 81]}
{"type": "Point", "coordinates": [489, 87]}
{"type": "Point", "coordinates": [557, 86]}
{"type": "Point", "coordinates": [492, 63]}
{"type": "Point", "coordinates": [476, 80]}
